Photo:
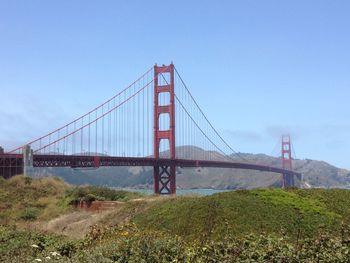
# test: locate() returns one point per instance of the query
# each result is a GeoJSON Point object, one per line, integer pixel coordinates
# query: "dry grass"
{"type": "Point", "coordinates": [24, 199]}
{"type": "Point", "coordinates": [74, 225]}
{"type": "Point", "coordinates": [44, 204]}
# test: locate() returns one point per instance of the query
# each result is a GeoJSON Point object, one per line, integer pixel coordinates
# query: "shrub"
{"type": "Point", "coordinates": [67, 249]}
{"type": "Point", "coordinates": [92, 193]}
{"type": "Point", "coordinates": [28, 214]}
{"type": "Point", "coordinates": [27, 180]}
{"type": "Point", "coordinates": [2, 180]}
{"type": "Point", "coordinates": [90, 198]}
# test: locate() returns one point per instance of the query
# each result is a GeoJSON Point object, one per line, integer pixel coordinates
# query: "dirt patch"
{"type": "Point", "coordinates": [97, 206]}
{"type": "Point", "coordinates": [77, 224]}
{"type": "Point", "coordinates": [74, 225]}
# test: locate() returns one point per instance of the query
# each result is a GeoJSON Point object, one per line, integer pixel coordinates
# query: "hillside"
{"type": "Point", "coordinates": [293, 212]}
{"type": "Point", "coordinates": [24, 199]}
{"type": "Point", "coordinates": [261, 225]}
{"type": "Point", "coordinates": [315, 174]}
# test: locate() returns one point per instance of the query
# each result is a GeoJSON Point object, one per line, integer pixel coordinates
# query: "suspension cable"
{"type": "Point", "coordinates": [201, 111]}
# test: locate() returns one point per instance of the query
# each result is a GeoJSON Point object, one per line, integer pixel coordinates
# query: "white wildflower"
{"type": "Point", "coordinates": [55, 253]}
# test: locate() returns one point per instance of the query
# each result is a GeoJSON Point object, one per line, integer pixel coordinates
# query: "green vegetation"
{"type": "Point", "coordinates": [26, 199]}
{"type": "Point", "coordinates": [22, 198]}
{"type": "Point", "coordinates": [262, 225]}
{"type": "Point", "coordinates": [92, 193]}
{"type": "Point", "coordinates": [127, 243]}
{"type": "Point", "coordinates": [30, 213]}
{"type": "Point", "coordinates": [297, 213]}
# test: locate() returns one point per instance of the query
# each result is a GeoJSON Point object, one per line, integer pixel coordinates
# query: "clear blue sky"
{"type": "Point", "coordinates": [273, 66]}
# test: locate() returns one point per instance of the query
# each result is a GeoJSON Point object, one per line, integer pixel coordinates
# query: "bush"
{"type": "Point", "coordinates": [29, 214]}
{"type": "Point", "coordinates": [90, 197]}
{"type": "Point", "coordinates": [27, 180]}
{"type": "Point", "coordinates": [128, 243]}
{"type": "Point", "coordinates": [67, 249]}
{"type": "Point", "coordinates": [2, 180]}
{"type": "Point", "coordinates": [95, 193]}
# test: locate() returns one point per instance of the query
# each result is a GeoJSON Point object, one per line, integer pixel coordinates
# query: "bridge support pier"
{"type": "Point", "coordinates": [27, 159]}
{"type": "Point", "coordinates": [164, 179]}
{"type": "Point", "coordinates": [288, 180]}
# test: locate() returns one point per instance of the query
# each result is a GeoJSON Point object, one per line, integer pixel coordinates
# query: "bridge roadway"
{"type": "Point", "coordinates": [84, 161]}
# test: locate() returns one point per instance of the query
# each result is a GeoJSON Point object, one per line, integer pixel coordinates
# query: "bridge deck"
{"type": "Point", "coordinates": [8, 161]}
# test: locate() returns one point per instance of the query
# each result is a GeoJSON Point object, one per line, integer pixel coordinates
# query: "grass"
{"type": "Point", "coordinates": [128, 243]}
{"type": "Point", "coordinates": [296, 213]}
{"type": "Point", "coordinates": [22, 198]}
{"type": "Point", "coordinates": [27, 199]}
{"type": "Point", "coordinates": [261, 225]}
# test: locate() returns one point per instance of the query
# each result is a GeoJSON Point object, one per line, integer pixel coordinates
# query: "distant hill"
{"type": "Point", "coordinates": [315, 173]}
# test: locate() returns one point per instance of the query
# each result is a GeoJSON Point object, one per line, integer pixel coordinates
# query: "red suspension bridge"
{"type": "Point", "coordinates": [145, 124]}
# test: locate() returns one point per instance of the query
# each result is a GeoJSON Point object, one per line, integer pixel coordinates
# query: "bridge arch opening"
{"type": "Point", "coordinates": [164, 99]}
{"type": "Point", "coordinates": [164, 122]}
{"type": "Point", "coordinates": [164, 148]}
{"type": "Point", "coordinates": [164, 78]}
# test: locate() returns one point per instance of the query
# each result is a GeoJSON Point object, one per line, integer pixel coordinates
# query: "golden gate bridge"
{"type": "Point", "coordinates": [145, 124]}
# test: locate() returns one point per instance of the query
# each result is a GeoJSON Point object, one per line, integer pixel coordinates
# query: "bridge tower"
{"type": "Point", "coordinates": [288, 179]}
{"type": "Point", "coordinates": [164, 176]}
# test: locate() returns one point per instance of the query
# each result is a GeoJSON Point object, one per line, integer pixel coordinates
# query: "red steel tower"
{"type": "Point", "coordinates": [288, 179]}
{"type": "Point", "coordinates": [164, 175]}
